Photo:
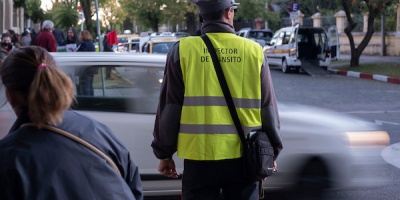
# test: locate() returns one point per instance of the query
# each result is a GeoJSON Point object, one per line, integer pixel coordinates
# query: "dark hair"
{"type": "Point", "coordinates": [76, 37]}
{"type": "Point", "coordinates": [12, 32]}
{"type": "Point", "coordinates": [48, 90]}
{"type": "Point", "coordinates": [5, 35]}
{"type": "Point", "coordinates": [213, 16]}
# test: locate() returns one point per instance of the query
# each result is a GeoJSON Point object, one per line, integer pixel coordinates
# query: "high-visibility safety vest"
{"type": "Point", "coordinates": [207, 131]}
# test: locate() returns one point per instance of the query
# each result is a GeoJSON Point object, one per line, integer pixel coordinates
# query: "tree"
{"type": "Point", "coordinates": [114, 14]}
{"type": "Point", "coordinates": [64, 14]}
{"type": "Point", "coordinates": [86, 6]}
{"type": "Point", "coordinates": [33, 10]}
{"type": "Point", "coordinates": [374, 8]}
{"type": "Point", "coordinates": [252, 9]}
{"type": "Point", "coordinates": [147, 12]}
{"type": "Point", "coordinates": [175, 15]}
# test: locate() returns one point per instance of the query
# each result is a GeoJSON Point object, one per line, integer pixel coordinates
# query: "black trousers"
{"type": "Point", "coordinates": [205, 180]}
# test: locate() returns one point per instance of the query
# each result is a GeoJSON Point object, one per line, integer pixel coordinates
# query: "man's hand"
{"type": "Point", "coordinates": [167, 168]}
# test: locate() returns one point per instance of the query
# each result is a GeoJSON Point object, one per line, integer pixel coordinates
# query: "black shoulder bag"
{"type": "Point", "coordinates": [257, 150]}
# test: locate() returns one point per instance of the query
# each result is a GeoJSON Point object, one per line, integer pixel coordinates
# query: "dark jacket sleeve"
{"type": "Point", "coordinates": [3, 54]}
{"type": "Point", "coordinates": [107, 47]}
{"type": "Point", "coordinates": [82, 47]}
{"type": "Point", "coordinates": [269, 110]}
{"type": "Point", "coordinates": [168, 116]}
{"type": "Point", "coordinates": [132, 178]}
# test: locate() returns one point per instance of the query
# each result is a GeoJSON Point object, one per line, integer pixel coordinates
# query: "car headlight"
{"type": "Point", "coordinates": [368, 138]}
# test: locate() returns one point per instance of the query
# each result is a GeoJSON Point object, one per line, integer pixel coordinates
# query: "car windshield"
{"type": "Point", "coordinates": [261, 34]}
{"type": "Point", "coordinates": [122, 40]}
{"type": "Point", "coordinates": [162, 47]}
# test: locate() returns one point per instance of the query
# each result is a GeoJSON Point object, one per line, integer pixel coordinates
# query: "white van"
{"type": "Point", "coordinates": [307, 48]}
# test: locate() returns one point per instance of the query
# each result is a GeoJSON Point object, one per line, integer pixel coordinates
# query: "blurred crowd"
{"type": "Point", "coordinates": [48, 37]}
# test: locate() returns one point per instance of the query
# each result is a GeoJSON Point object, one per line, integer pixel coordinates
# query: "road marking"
{"type": "Point", "coordinates": [391, 154]}
{"type": "Point", "coordinates": [379, 122]}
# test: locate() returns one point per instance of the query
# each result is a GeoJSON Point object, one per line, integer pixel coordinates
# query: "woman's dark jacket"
{"type": "Point", "coordinates": [87, 45]}
{"type": "Point", "coordinates": [38, 164]}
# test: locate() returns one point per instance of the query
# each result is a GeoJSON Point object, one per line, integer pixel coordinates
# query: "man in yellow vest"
{"type": "Point", "coordinates": [193, 118]}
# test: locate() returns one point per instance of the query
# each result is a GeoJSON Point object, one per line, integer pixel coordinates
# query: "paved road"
{"type": "Point", "coordinates": [371, 100]}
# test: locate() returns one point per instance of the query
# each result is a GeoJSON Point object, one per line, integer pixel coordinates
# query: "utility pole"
{"type": "Point", "coordinates": [383, 37]}
{"type": "Point", "coordinates": [98, 26]}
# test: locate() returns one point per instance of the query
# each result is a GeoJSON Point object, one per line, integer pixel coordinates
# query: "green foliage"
{"type": "Point", "coordinates": [146, 12]}
{"type": "Point", "coordinates": [33, 10]}
{"type": "Point", "coordinates": [64, 15]}
{"type": "Point", "coordinates": [274, 20]}
{"type": "Point", "coordinates": [151, 13]}
{"type": "Point", "coordinates": [252, 9]}
{"type": "Point", "coordinates": [114, 14]}
{"type": "Point", "coordinates": [175, 11]}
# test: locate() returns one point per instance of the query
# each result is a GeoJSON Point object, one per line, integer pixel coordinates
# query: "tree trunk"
{"type": "Point", "coordinates": [87, 12]}
{"type": "Point", "coordinates": [155, 25]}
{"type": "Point", "coordinates": [355, 59]}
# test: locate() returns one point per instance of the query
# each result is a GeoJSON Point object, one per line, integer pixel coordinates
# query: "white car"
{"type": "Point", "coordinates": [297, 47]}
{"type": "Point", "coordinates": [322, 149]}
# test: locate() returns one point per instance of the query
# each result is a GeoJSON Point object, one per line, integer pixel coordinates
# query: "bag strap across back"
{"type": "Point", "coordinates": [225, 90]}
{"type": "Point", "coordinates": [81, 141]}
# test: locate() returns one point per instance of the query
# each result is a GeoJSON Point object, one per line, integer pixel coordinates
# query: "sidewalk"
{"type": "Point", "coordinates": [363, 60]}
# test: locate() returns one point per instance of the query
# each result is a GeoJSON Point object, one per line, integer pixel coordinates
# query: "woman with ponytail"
{"type": "Point", "coordinates": [37, 162]}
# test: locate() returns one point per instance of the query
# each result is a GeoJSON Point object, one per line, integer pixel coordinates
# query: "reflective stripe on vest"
{"type": "Point", "coordinates": [207, 131]}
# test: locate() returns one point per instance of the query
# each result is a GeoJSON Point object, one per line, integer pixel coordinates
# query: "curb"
{"type": "Point", "coordinates": [376, 77]}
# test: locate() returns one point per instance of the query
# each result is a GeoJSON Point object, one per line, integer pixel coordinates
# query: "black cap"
{"type": "Point", "coordinates": [212, 6]}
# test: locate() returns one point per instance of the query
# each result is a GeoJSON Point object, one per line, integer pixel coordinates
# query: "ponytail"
{"type": "Point", "coordinates": [32, 71]}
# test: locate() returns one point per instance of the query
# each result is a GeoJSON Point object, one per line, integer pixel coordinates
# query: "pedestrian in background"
{"type": "Point", "coordinates": [59, 36]}
{"type": "Point", "coordinates": [72, 41]}
{"type": "Point", "coordinates": [193, 118]}
{"type": "Point", "coordinates": [14, 38]}
{"type": "Point", "coordinates": [34, 34]}
{"type": "Point", "coordinates": [37, 162]}
{"type": "Point", "coordinates": [45, 38]}
{"type": "Point", "coordinates": [85, 86]}
{"type": "Point", "coordinates": [5, 46]}
{"type": "Point", "coordinates": [26, 38]}
{"type": "Point", "coordinates": [86, 40]}
{"type": "Point", "coordinates": [107, 48]}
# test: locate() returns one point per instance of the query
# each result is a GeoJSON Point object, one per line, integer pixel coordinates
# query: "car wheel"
{"type": "Point", "coordinates": [285, 67]}
{"type": "Point", "coordinates": [312, 181]}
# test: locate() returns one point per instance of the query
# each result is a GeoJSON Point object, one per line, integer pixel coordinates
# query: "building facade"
{"type": "Point", "coordinates": [11, 18]}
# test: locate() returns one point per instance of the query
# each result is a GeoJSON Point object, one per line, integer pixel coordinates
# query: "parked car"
{"type": "Point", "coordinates": [322, 149]}
{"type": "Point", "coordinates": [127, 43]}
{"type": "Point", "coordinates": [297, 47]}
{"type": "Point", "coordinates": [262, 36]}
{"type": "Point", "coordinates": [159, 44]}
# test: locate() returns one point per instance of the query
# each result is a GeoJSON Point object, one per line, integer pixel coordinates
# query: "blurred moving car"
{"type": "Point", "coordinates": [297, 47]}
{"type": "Point", "coordinates": [322, 149]}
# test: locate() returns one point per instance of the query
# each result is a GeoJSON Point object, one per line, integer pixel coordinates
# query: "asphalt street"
{"type": "Point", "coordinates": [370, 100]}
